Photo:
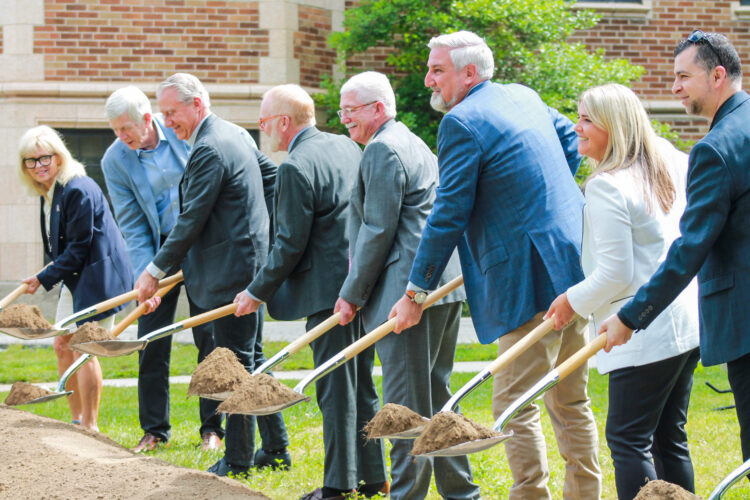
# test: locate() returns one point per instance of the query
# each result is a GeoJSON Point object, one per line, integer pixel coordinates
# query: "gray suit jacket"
{"type": "Point", "coordinates": [221, 234]}
{"type": "Point", "coordinates": [309, 258]}
{"type": "Point", "coordinates": [392, 198]}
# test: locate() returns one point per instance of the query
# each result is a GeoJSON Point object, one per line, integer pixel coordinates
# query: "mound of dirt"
{"type": "Point", "coordinates": [23, 392]}
{"type": "Point", "coordinates": [23, 316]}
{"type": "Point", "coordinates": [391, 419]}
{"type": "Point", "coordinates": [90, 332]}
{"type": "Point", "coordinates": [662, 490]}
{"type": "Point", "coordinates": [259, 391]}
{"type": "Point", "coordinates": [220, 371]}
{"type": "Point", "coordinates": [449, 429]}
{"type": "Point", "coordinates": [58, 460]}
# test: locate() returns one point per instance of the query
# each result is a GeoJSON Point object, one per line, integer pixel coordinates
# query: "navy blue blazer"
{"type": "Point", "coordinates": [715, 241]}
{"type": "Point", "coordinates": [508, 200]}
{"type": "Point", "coordinates": [86, 247]}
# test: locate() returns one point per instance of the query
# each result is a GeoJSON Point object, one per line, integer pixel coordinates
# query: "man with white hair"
{"type": "Point", "coordinates": [508, 200]}
{"type": "Point", "coordinates": [393, 195]}
{"type": "Point", "coordinates": [306, 267]}
{"type": "Point", "coordinates": [220, 238]}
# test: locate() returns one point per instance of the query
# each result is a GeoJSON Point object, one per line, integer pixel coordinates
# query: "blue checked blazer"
{"type": "Point", "coordinates": [508, 200]}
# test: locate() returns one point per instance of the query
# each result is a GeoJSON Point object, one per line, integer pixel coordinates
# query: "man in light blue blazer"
{"type": "Point", "coordinates": [508, 200]}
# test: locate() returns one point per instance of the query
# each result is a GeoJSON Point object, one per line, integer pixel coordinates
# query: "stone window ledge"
{"type": "Point", "coordinates": [741, 12]}
{"type": "Point", "coordinates": [617, 9]}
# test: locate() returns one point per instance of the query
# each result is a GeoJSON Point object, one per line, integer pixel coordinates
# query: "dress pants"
{"type": "Point", "coordinates": [153, 372]}
{"type": "Point", "coordinates": [238, 335]}
{"type": "Point", "coordinates": [348, 400]}
{"type": "Point", "coordinates": [568, 406]}
{"type": "Point", "coordinates": [417, 365]}
{"type": "Point", "coordinates": [738, 371]}
{"type": "Point", "coordinates": [272, 428]}
{"type": "Point", "coordinates": [648, 407]}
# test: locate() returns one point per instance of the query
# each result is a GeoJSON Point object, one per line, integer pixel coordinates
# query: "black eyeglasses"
{"type": "Point", "coordinates": [43, 160]}
{"type": "Point", "coordinates": [699, 36]}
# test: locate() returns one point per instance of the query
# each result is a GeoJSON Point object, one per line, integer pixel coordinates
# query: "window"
{"type": "Point", "coordinates": [744, 2]}
{"type": "Point", "coordinates": [88, 147]}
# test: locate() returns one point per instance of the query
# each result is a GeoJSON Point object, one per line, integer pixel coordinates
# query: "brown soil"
{"type": "Point", "coordinates": [391, 419]}
{"type": "Point", "coordinates": [662, 490]}
{"type": "Point", "coordinates": [90, 332]}
{"type": "Point", "coordinates": [448, 429]}
{"type": "Point", "coordinates": [220, 371]}
{"type": "Point", "coordinates": [23, 392]}
{"type": "Point", "coordinates": [47, 459]}
{"type": "Point", "coordinates": [258, 391]}
{"type": "Point", "coordinates": [23, 316]}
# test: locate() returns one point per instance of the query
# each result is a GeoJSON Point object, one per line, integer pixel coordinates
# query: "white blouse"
{"type": "Point", "coordinates": [623, 245]}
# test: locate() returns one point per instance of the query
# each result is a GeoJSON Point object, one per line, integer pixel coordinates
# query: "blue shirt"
{"type": "Point", "coordinates": [163, 171]}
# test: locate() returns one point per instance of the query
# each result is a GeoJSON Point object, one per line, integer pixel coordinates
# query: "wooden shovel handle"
{"type": "Point", "coordinates": [20, 290]}
{"type": "Point", "coordinates": [133, 294]}
{"type": "Point", "coordinates": [207, 316]}
{"type": "Point", "coordinates": [522, 345]}
{"type": "Point", "coordinates": [138, 311]}
{"type": "Point", "coordinates": [387, 327]}
{"type": "Point", "coordinates": [581, 356]}
{"type": "Point", "coordinates": [313, 334]}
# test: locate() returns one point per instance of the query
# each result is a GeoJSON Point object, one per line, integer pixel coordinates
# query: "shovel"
{"type": "Point", "coordinates": [13, 295]}
{"type": "Point", "coordinates": [547, 382]}
{"type": "Point", "coordinates": [351, 351]}
{"type": "Point", "coordinates": [489, 371]}
{"type": "Point", "coordinates": [729, 481]}
{"type": "Point", "coordinates": [59, 328]}
{"type": "Point", "coordinates": [117, 330]}
{"type": "Point", "coordinates": [114, 348]}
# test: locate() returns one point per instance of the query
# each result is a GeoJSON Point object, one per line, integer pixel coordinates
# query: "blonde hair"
{"type": "Point", "coordinates": [49, 140]}
{"type": "Point", "coordinates": [632, 142]}
{"type": "Point", "coordinates": [293, 101]}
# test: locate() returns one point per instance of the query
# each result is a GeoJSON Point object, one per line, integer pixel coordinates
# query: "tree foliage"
{"type": "Point", "coordinates": [527, 38]}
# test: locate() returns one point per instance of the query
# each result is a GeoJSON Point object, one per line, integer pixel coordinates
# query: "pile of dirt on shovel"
{"type": "Point", "coordinates": [23, 316]}
{"type": "Point", "coordinates": [392, 419]}
{"type": "Point", "coordinates": [259, 391]}
{"type": "Point", "coordinates": [23, 392]}
{"type": "Point", "coordinates": [90, 332]}
{"type": "Point", "coordinates": [663, 490]}
{"type": "Point", "coordinates": [447, 429]}
{"type": "Point", "coordinates": [220, 371]}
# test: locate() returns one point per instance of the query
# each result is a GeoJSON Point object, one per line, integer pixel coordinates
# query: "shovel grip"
{"type": "Point", "coordinates": [138, 311]}
{"type": "Point", "coordinates": [522, 345]}
{"type": "Point", "coordinates": [313, 334]}
{"type": "Point", "coordinates": [133, 294]}
{"type": "Point", "coordinates": [207, 316]}
{"type": "Point", "coordinates": [581, 356]}
{"type": "Point", "coordinates": [20, 290]}
{"type": "Point", "coordinates": [387, 327]}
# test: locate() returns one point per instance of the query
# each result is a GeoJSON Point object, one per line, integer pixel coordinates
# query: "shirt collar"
{"type": "Point", "coordinates": [159, 136]}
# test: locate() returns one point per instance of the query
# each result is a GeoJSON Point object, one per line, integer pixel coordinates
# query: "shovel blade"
{"type": "Point", "coordinates": [412, 433]}
{"type": "Point", "coordinates": [270, 410]}
{"type": "Point", "coordinates": [217, 396]}
{"type": "Point", "coordinates": [33, 333]}
{"type": "Point", "coordinates": [48, 397]}
{"type": "Point", "coordinates": [110, 348]}
{"type": "Point", "coordinates": [468, 447]}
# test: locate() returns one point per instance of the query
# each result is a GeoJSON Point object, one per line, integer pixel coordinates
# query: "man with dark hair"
{"type": "Point", "coordinates": [715, 231]}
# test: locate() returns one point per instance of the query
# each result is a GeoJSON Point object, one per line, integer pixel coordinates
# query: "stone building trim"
{"type": "Point", "coordinates": [617, 9]}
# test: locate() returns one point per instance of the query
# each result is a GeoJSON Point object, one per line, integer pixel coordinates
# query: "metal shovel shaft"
{"type": "Point", "coordinates": [729, 481]}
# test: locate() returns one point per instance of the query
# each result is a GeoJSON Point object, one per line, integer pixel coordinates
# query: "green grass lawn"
{"type": "Point", "coordinates": [714, 435]}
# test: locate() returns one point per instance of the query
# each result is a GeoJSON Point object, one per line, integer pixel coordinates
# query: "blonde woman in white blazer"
{"type": "Point", "coordinates": [634, 200]}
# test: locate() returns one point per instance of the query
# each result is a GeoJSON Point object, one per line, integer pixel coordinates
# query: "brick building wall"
{"type": "Point", "coordinates": [311, 45]}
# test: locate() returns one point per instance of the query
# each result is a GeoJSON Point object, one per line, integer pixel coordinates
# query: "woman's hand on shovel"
{"type": "Point", "coordinates": [347, 310]}
{"type": "Point", "coordinates": [562, 310]}
{"type": "Point", "coordinates": [33, 283]}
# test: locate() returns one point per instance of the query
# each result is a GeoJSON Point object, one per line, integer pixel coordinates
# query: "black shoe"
{"type": "Point", "coordinates": [279, 459]}
{"type": "Point", "coordinates": [222, 468]}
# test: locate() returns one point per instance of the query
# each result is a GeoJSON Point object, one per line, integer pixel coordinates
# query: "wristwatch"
{"type": "Point", "coordinates": [416, 297]}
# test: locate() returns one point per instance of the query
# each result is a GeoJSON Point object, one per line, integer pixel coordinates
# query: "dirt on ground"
{"type": "Point", "coordinates": [662, 490]}
{"type": "Point", "coordinates": [23, 316]}
{"type": "Point", "coordinates": [391, 419]}
{"type": "Point", "coordinates": [219, 372]}
{"type": "Point", "coordinates": [90, 332]}
{"type": "Point", "coordinates": [23, 392]}
{"type": "Point", "coordinates": [448, 429]}
{"type": "Point", "coordinates": [259, 391]}
{"type": "Point", "coordinates": [46, 459]}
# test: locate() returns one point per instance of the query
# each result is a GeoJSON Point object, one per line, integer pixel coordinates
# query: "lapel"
{"type": "Point", "coordinates": [145, 197]}
{"type": "Point", "coordinates": [43, 223]}
{"type": "Point", "coordinates": [54, 220]}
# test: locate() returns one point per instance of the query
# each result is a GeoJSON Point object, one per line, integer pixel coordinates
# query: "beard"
{"type": "Point", "coordinates": [275, 138]}
{"type": "Point", "coordinates": [695, 107]}
{"type": "Point", "coordinates": [439, 104]}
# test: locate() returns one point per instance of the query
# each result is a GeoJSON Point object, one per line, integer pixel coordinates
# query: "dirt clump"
{"type": "Point", "coordinates": [448, 429]}
{"type": "Point", "coordinates": [258, 391]}
{"type": "Point", "coordinates": [219, 372]}
{"type": "Point", "coordinates": [23, 316]}
{"type": "Point", "coordinates": [663, 490]}
{"type": "Point", "coordinates": [391, 419]}
{"type": "Point", "coordinates": [23, 392]}
{"type": "Point", "coordinates": [90, 332]}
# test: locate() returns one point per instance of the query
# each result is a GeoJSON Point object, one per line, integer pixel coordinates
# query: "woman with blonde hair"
{"type": "Point", "coordinates": [634, 199]}
{"type": "Point", "coordinates": [86, 249]}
